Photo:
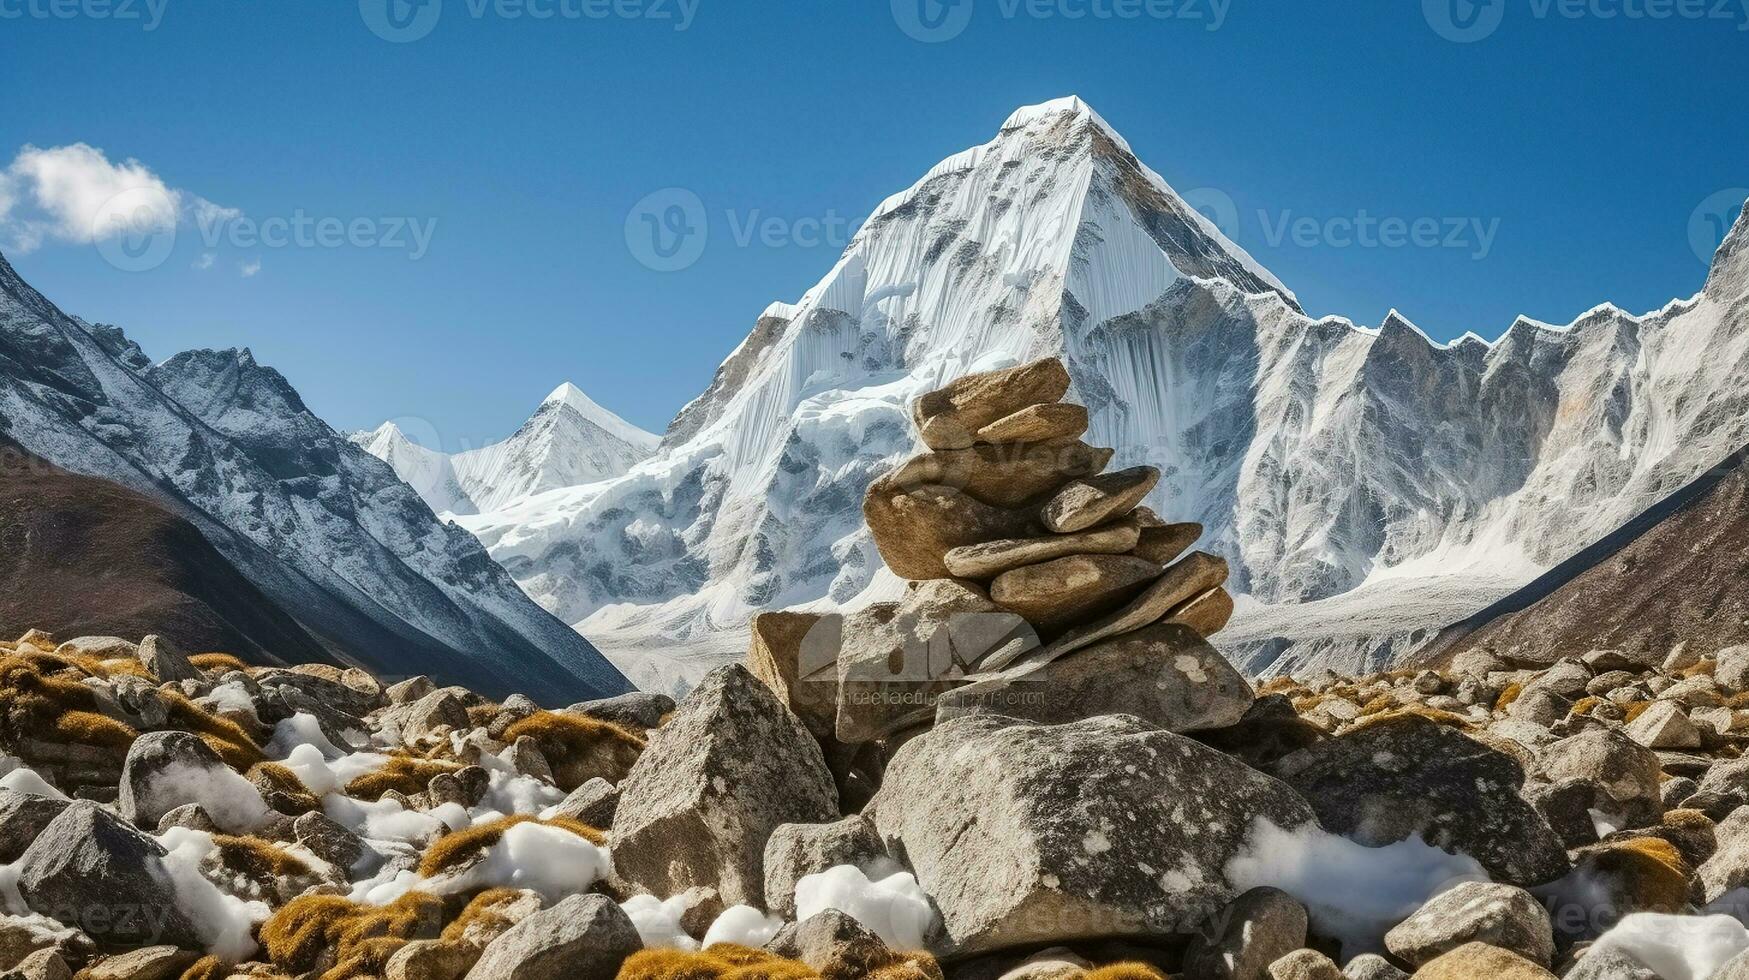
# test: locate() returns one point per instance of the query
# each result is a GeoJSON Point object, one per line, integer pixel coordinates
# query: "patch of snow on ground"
{"type": "Point", "coordinates": [1352, 892]}
{"type": "Point", "coordinates": [893, 908]}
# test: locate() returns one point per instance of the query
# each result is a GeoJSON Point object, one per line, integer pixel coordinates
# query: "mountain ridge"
{"type": "Point", "coordinates": [321, 527]}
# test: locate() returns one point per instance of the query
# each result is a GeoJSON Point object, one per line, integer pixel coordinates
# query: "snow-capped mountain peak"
{"type": "Point", "coordinates": [570, 440]}
{"type": "Point", "coordinates": [1364, 483]}
{"type": "Point", "coordinates": [572, 397]}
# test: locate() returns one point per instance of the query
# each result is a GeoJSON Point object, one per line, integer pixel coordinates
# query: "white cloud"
{"type": "Point", "coordinates": [250, 268]}
{"type": "Point", "coordinates": [76, 194]}
{"type": "Point", "coordinates": [205, 261]}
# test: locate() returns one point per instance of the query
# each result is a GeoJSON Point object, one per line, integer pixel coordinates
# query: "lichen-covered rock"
{"type": "Point", "coordinates": [1382, 782]}
{"type": "Point", "coordinates": [1166, 675]}
{"type": "Point", "coordinates": [898, 659]}
{"type": "Point", "coordinates": [1473, 961]}
{"type": "Point", "coordinates": [798, 850]}
{"type": "Point", "coordinates": [1251, 932]}
{"type": "Point", "coordinates": [165, 770]}
{"type": "Point", "coordinates": [1475, 911]}
{"type": "Point", "coordinates": [583, 937]}
{"type": "Point", "coordinates": [165, 661]}
{"type": "Point", "coordinates": [731, 766]}
{"type": "Point", "coordinates": [1031, 834]}
{"type": "Point", "coordinates": [1664, 725]}
{"type": "Point", "coordinates": [22, 818]}
{"type": "Point", "coordinates": [1304, 964]}
{"type": "Point", "coordinates": [92, 870]}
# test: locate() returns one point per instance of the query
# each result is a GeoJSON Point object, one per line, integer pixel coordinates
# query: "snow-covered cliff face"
{"type": "Point", "coordinates": [1367, 484]}
{"type": "Point", "coordinates": [569, 441]}
{"type": "Point", "coordinates": [323, 528]}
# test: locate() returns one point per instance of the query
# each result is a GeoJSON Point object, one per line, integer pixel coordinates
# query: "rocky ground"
{"type": "Point", "coordinates": [1032, 767]}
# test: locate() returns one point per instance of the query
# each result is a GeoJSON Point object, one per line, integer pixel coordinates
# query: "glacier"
{"type": "Point", "coordinates": [1368, 485]}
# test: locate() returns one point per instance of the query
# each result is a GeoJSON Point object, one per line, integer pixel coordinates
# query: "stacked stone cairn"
{"type": "Point", "coordinates": [1040, 588]}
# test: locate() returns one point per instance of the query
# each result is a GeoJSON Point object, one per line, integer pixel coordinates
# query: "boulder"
{"type": "Point", "coordinates": [1404, 775]}
{"type": "Point", "coordinates": [732, 765]}
{"type": "Point", "coordinates": [333, 843]}
{"type": "Point", "coordinates": [22, 819]}
{"type": "Point", "coordinates": [1475, 960]}
{"type": "Point", "coordinates": [1166, 675]}
{"type": "Point", "coordinates": [1066, 591]}
{"type": "Point", "coordinates": [1732, 671]}
{"type": "Point", "coordinates": [951, 417]}
{"type": "Point", "coordinates": [1250, 933]}
{"type": "Point", "coordinates": [44, 964]}
{"type": "Point", "coordinates": [1093, 500]}
{"type": "Point", "coordinates": [797, 850]}
{"type": "Point", "coordinates": [593, 803]}
{"type": "Point", "coordinates": [101, 647]}
{"type": "Point", "coordinates": [915, 529]}
{"type": "Point", "coordinates": [583, 937]}
{"type": "Point", "coordinates": [1628, 772]}
{"type": "Point", "coordinates": [90, 869]}
{"type": "Point", "coordinates": [1475, 911]}
{"type": "Point", "coordinates": [432, 959]}
{"type": "Point", "coordinates": [1037, 423]}
{"type": "Point", "coordinates": [1030, 834]}
{"type": "Point", "coordinates": [23, 936]}
{"type": "Point", "coordinates": [992, 558]}
{"type": "Point", "coordinates": [165, 770]}
{"type": "Point", "coordinates": [1664, 725]}
{"type": "Point", "coordinates": [1611, 964]}
{"type": "Point", "coordinates": [409, 690]}
{"type": "Point", "coordinates": [435, 712]}
{"type": "Point", "coordinates": [833, 944]}
{"type": "Point", "coordinates": [1372, 966]}
{"type": "Point", "coordinates": [1180, 585]}
{"type": "Point", "coordinates": [163, 660]}
{"type": "Point", "coordinates": [149, 963]}
{"type": "Point", "coordinates": [1304, 964]}
{"type": "Point", "coordinates": [636, 709]}
{"type": "Point", "coordinates": [796, 655]}
{"type": "Point", "coordinates": [897, 659]}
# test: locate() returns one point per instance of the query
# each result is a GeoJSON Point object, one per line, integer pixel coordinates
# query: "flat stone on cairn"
{"type": "Point", "coordinates": [1007, 502]}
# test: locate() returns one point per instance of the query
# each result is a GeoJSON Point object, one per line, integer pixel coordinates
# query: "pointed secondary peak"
{"type": "Point", "coordinates": [572, 397]}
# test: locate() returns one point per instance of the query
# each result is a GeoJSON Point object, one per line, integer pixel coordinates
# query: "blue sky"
{"type": "Point", "coordinates": [1561, 149]}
